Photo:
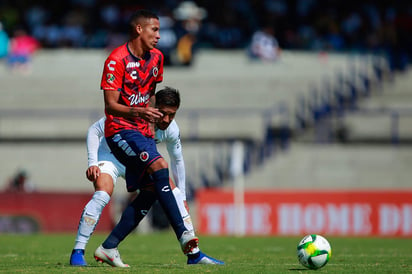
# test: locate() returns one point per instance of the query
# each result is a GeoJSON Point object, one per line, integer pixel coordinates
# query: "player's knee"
{"type": "Point", "coordinates": [104, 183]}
{"type": "Point", "coordinates": [149, 188]}
{"type": "Point", "coordinates": [157, 165]}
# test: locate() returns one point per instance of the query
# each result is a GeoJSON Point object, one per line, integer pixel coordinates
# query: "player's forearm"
{"type": "Point", "coordinates": [92, 142]}
{"type": "Point", "coordinates": [122, 110]}
{"type": "Point", "coordinates": [179, 174]}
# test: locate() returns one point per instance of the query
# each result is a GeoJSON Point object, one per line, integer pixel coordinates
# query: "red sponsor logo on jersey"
{"type": "Point", "coordinates": [144, 156]}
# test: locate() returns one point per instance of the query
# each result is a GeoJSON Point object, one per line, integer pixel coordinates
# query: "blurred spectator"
{"type": "Point", "coordinates": [22, 47]}
{"type": "Point", "coordinates": [9, 15]}
{"type": "Point", "coordinates": [168, 38]}
{"type": "Point", "coordinates": [264, 45]}
{"type": "Point", "coordinates": [36, 16]}
{"type": "Point", "coordinates": [300, 24]}
{"type": "Point", "coordinates": [189, 17]}
{"type": "Point", "coordinates": [4, 42]}
{"type": "Point", "coordinates": [73, 28]}
{"type": "Point", "coordinates": [20, 183]}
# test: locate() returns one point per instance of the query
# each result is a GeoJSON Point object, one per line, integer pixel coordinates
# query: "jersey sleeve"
{"type": "Point", "coordinates": [177, 164]}
{"type": "Point", "coordinates": [113, 71]}
{"type": "Point", "coordinates": [94, 135]}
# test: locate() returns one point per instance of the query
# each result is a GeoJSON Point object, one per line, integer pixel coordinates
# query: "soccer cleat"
{"type": "Point", "coordinates": [110, 256]}
{"type": "Point", "coordinates": [77, 258]}
{"type": "Point", "coordinates": [188, 242]}
{"type": "Point", "coordinates": [204, 259]}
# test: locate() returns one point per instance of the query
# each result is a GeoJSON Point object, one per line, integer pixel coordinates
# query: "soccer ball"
{"type": "Point", "coordinates": [314, 251]}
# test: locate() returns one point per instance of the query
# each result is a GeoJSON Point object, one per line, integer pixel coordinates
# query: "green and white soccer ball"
{"type": "Point", "coordinates": [314, 251]}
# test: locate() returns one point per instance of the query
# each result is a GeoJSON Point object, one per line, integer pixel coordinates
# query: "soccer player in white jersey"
{"type": "Point", "coordinates": [104, 169]}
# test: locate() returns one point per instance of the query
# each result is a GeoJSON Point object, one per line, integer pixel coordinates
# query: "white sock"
{"type": "Point", "coordinates": [90, 217]}
{"type": "Point", "coordinates": [185, 215]}
{"type": "Point", "coordinates": [183, 211]}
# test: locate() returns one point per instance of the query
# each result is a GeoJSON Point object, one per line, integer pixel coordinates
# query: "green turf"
{"type": "Point", "coordinates": [160, 253]}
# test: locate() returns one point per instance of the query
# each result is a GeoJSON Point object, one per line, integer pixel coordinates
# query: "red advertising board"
{"type": "Point", "coordinates": [343, 213]}
{"type": "Point", "coordinates": [46, 212]}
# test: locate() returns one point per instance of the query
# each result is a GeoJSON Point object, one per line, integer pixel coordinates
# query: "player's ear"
{"type": "Point", "coordinates": [139, 29]}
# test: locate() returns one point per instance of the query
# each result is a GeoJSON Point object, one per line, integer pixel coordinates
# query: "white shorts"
{"type": "Point", "coordinates": [110, 165]}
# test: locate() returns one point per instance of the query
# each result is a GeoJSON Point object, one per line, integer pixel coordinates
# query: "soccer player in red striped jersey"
{"type": "Point", "coordinates": [130, 76]}
{"type": "Point", "coordinates": [129, 80]}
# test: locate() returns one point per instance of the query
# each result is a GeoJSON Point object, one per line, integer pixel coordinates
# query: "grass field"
{"type": "Point", "coordinates": [160, 253]}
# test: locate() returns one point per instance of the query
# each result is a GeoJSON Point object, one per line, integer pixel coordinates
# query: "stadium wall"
{"type": "Point", "coordinates": [340, 213]}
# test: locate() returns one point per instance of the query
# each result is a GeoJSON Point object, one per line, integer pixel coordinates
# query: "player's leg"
{"type": "Point", "coordinates": [183, 209]}
{"type": "Point", "coordinates": [140, 156]}
{"type": "Point", "coordinates": [131, 217]}
{"type": "Point", "coordinates": [107, 252]}
{"type": "Point", "coordinates": [195, 256]}
{"type": "Point", "coordinates": [160, 175]}
{"type": "Point", "coordinates": [104, 186]}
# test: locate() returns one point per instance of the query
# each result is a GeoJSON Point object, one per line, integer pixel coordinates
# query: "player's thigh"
{"type": "Point", "coordinates": [109, 172]}
{"type": "Point", "coordinates": [135, 151]}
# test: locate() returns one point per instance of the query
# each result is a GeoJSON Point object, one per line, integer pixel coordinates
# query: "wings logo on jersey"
{"type": "Point", "coordinates": [136, 99]}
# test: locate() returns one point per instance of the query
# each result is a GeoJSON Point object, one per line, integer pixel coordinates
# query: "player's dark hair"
{"type": "Point", "coordinates": [136, 17]}
{"type": "Point", "coordinates": [168, 96]}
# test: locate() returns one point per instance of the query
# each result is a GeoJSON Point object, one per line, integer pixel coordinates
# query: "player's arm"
{"type": "Point", "coordinates": [113, 107]}
{"type": "Point", "coordinates": [94, 134]}
{"type": "Point", "coordinates": [152, 104]}
{"type": "Point", "coordinates": [177, 164]}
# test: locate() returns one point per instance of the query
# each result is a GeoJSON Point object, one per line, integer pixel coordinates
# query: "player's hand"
{"type": "Point", "coordinates": [150, 114]}
{"type": "Point", "coordinates": [92, 173]}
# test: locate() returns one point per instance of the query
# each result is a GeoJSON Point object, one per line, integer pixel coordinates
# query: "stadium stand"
{"type": "Point", "coordinates": [385, 117]}
{"type": "Point", "coordinates": [45, 115]}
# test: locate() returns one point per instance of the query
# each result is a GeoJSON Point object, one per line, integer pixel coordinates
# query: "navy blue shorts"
{"type": "Point", "coordinates": [136, 152]}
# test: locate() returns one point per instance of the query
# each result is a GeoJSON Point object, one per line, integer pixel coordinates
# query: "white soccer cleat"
{"type": "Point", "coordinates": [110, 256]}
{"type": "Point", "coordinates": [188, 242]}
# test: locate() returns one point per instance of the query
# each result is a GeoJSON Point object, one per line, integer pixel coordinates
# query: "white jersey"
{"type": "Point", "coordinates": [99, 154]}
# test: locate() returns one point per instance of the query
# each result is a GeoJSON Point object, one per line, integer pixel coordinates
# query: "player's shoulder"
{"type": "Point", "coordinates": [157, 52]}
{"type": "Point", "coordinates": [173, 130]}
{"type": "Point", "coordinates": [101, 122]}
{"type": "Point", "coordinates": [119, 53]}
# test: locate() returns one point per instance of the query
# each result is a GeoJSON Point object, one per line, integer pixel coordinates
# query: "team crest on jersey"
{"type": "Point", "coordinates": [155, 71]}
{"type": "Point", "coordinates": [144, 156]}
{"type": "Point", "coordinates": [110, 78]}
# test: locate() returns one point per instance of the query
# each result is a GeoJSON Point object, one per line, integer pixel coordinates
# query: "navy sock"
{"type": "Point", "coordinates": [167, 201]}
{"type": "Point", "coordinates": [131, 217]}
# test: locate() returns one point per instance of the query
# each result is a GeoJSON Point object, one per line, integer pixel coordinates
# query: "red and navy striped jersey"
{"type": "Point", "coordinates": [136, 80]}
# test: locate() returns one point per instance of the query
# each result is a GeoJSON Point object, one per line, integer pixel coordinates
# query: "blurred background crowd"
{"type": "Point", "coordinates": [382, 26]}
